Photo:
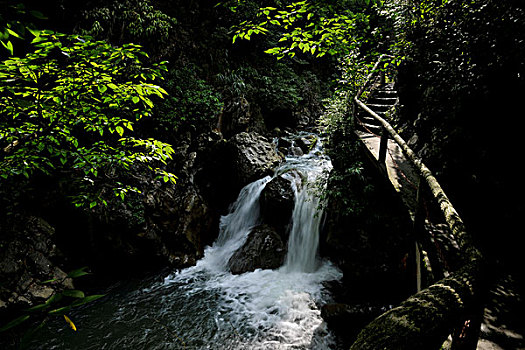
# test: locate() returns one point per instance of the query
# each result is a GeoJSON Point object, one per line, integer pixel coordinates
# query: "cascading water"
{"type": "Point", "coordinates": [206, 307]}
{"type": "Point", "coordinates": [304, 236]}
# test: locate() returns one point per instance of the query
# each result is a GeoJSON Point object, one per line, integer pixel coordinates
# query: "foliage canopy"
{"type": "Point", "coordinates": [68, 110]}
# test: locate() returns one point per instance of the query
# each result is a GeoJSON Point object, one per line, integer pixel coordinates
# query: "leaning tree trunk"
{"type": "Point", "coordinates": [424, 320]}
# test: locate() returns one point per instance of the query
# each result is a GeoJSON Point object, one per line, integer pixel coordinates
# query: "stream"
{"type": "Point", "coordinates": [207, 307]}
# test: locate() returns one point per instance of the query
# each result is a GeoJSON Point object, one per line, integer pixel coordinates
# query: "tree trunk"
{"type": "Point", "coordinates": [424, 320]}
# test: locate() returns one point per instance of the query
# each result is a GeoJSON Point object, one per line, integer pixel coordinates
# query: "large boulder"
{"type": "Point", "coordinates": [231, 164]}
{"type": "Point", "coordinates": [239, 115]}
{"type": "Point", "coordinates": [277, 203]}
{"type": "Point", "coordinates": [264, 249]}
{"type": "Point", "coordinates": [253, 157]}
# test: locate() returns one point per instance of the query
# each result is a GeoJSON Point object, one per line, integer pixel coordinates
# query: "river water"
{"type": "Point", "coordinates": [205, 306]}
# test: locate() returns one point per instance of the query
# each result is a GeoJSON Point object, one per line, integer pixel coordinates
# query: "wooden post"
{"type": "Point", "coordinates": [383, 147]}
{"type": "Point", "coordinates": [419, 231]}
{"type": "Point", "coordinates": [418, 267]}
{"type": "Point", "coordinates": [423, 236]}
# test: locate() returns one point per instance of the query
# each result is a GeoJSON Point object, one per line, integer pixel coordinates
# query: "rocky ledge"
{"type": "Point", "coordinates": [264, 249]}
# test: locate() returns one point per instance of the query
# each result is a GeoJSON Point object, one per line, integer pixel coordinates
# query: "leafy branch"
{"type": "Point", "coordinates": [69, 107]}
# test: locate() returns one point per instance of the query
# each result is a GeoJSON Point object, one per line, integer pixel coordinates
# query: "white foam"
{"type": "Point", "coordinates": [267, 309]}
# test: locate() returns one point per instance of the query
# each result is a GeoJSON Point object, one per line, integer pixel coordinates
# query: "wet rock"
{"type": "Point", "coordinates": [277, 203]}
{"type": "Point", "coordinates": [230, 165]}
{"type": "Point", "coordinates": [306, 143]}
{"type": "Point", "coordinates": [40, 292]}
{"type": "Point", "coordinates": [264, 249]}
{"type": "Point", "coordinates": [284, 143]}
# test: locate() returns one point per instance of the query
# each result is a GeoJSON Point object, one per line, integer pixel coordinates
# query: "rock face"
{"type": "Point", "coordinates": [26, 260]}
{"type": "Point", "coordinates": [253, 157]}
{"type": "Point", "coordinates": [240, 115]}
{"type": "Point", "coordinates": [277, 203]}
{"type": "Point", "coordinates": [264, 249]}
{"type": "Point", "coordinates": [232, 164]}
{"type": "Point", "coordinates": [166, 225]}
{"type": "Point", "coordinates": [170, 224]}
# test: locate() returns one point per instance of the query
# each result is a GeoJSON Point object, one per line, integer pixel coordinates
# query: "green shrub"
{"type": "Point", "coordinates": [130, 21]}
{"type": "Point", "coordinates": [191, 101]}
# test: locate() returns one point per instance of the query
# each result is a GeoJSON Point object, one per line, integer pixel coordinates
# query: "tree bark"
{"type": "Point", "coordinates": [424, 320]}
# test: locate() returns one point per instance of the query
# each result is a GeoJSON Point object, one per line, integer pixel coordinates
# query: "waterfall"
{"type": "Point", "coordinates": [207, 307]}
{"type": "Point", "coordinates": [303, 172]}
{"type": "Point", "coordinates": [303, 242]}
{"type": "Point", "coordinates": [234, 227]}
{"type": "Point", "coordinates": [304, 236]}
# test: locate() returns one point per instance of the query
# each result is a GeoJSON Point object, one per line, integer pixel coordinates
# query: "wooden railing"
{"type": "Point", "coordinates": [426, 319]}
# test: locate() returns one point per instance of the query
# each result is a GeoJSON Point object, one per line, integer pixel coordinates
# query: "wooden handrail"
{"type": "Point", "coordinates": [373, 71]}
{"type": "Point", "coordinates": [424, 320]}
{"type": "Point", "coordinates": [451, 216]}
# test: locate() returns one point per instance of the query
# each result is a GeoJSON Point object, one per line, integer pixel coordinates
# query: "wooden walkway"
{"type": "Point", "coordinates": [405, 171]}
{"type": "Point", "coordinates": [495, 334]}
{"type": "Point", "coordinates": [398, 169]}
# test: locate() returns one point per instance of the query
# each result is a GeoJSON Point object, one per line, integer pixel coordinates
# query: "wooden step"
{"type": "Point", "coordinates": [367, 118]}
{"type": "Point", "coordinates": [385, 93]}
{"type": "Point", "coordinates": [376, 129]}
{"type": "Point", "coordinates": [379, 107]}
{"type": "Point", "coordinates": [383, 100]}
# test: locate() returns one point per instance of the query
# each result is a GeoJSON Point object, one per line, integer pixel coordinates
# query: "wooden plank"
{"type": "Point", "coordinates": [401, 175]}
{"type": "Point", "coordinates": [424, 320]}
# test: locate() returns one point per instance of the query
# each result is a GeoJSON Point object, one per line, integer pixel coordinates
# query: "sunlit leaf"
{"type": "Point", "coordinates": [70, 323]}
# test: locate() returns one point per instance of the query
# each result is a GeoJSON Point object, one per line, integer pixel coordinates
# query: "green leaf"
{"type": "Point", "coordinates": [73, 293]}
{"type": "Point", "coordinates": [13, 33]}
{"type": "Point", "coordinates": [61, 310]}
{"type": "Point", "coordinates": [37, 14]}
{"type": "Point", "coordinates": [78, 272]}
{"type": "Point", "coordinates": [136, 99]}
{"type": "Point", "coordinates": [87, 299]}
{"type": "Point", "coordinates": [8, 46]}
{"type": "Point", "coordinates": [102, 88]}
{"type": "Point", "coordinates": [54, 298]}
{"type": "Point", "coordinates": [120, 130]}
{"type": "Point", "coordinates": [35, 32]}
{"type": "Point", "coordinates": [14, 323]}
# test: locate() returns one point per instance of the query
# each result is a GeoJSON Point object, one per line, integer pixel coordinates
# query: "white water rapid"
{"type": "Point", "coordinates": [207, 307]}
{"type": "Point", "coordinates": [271, 309]}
